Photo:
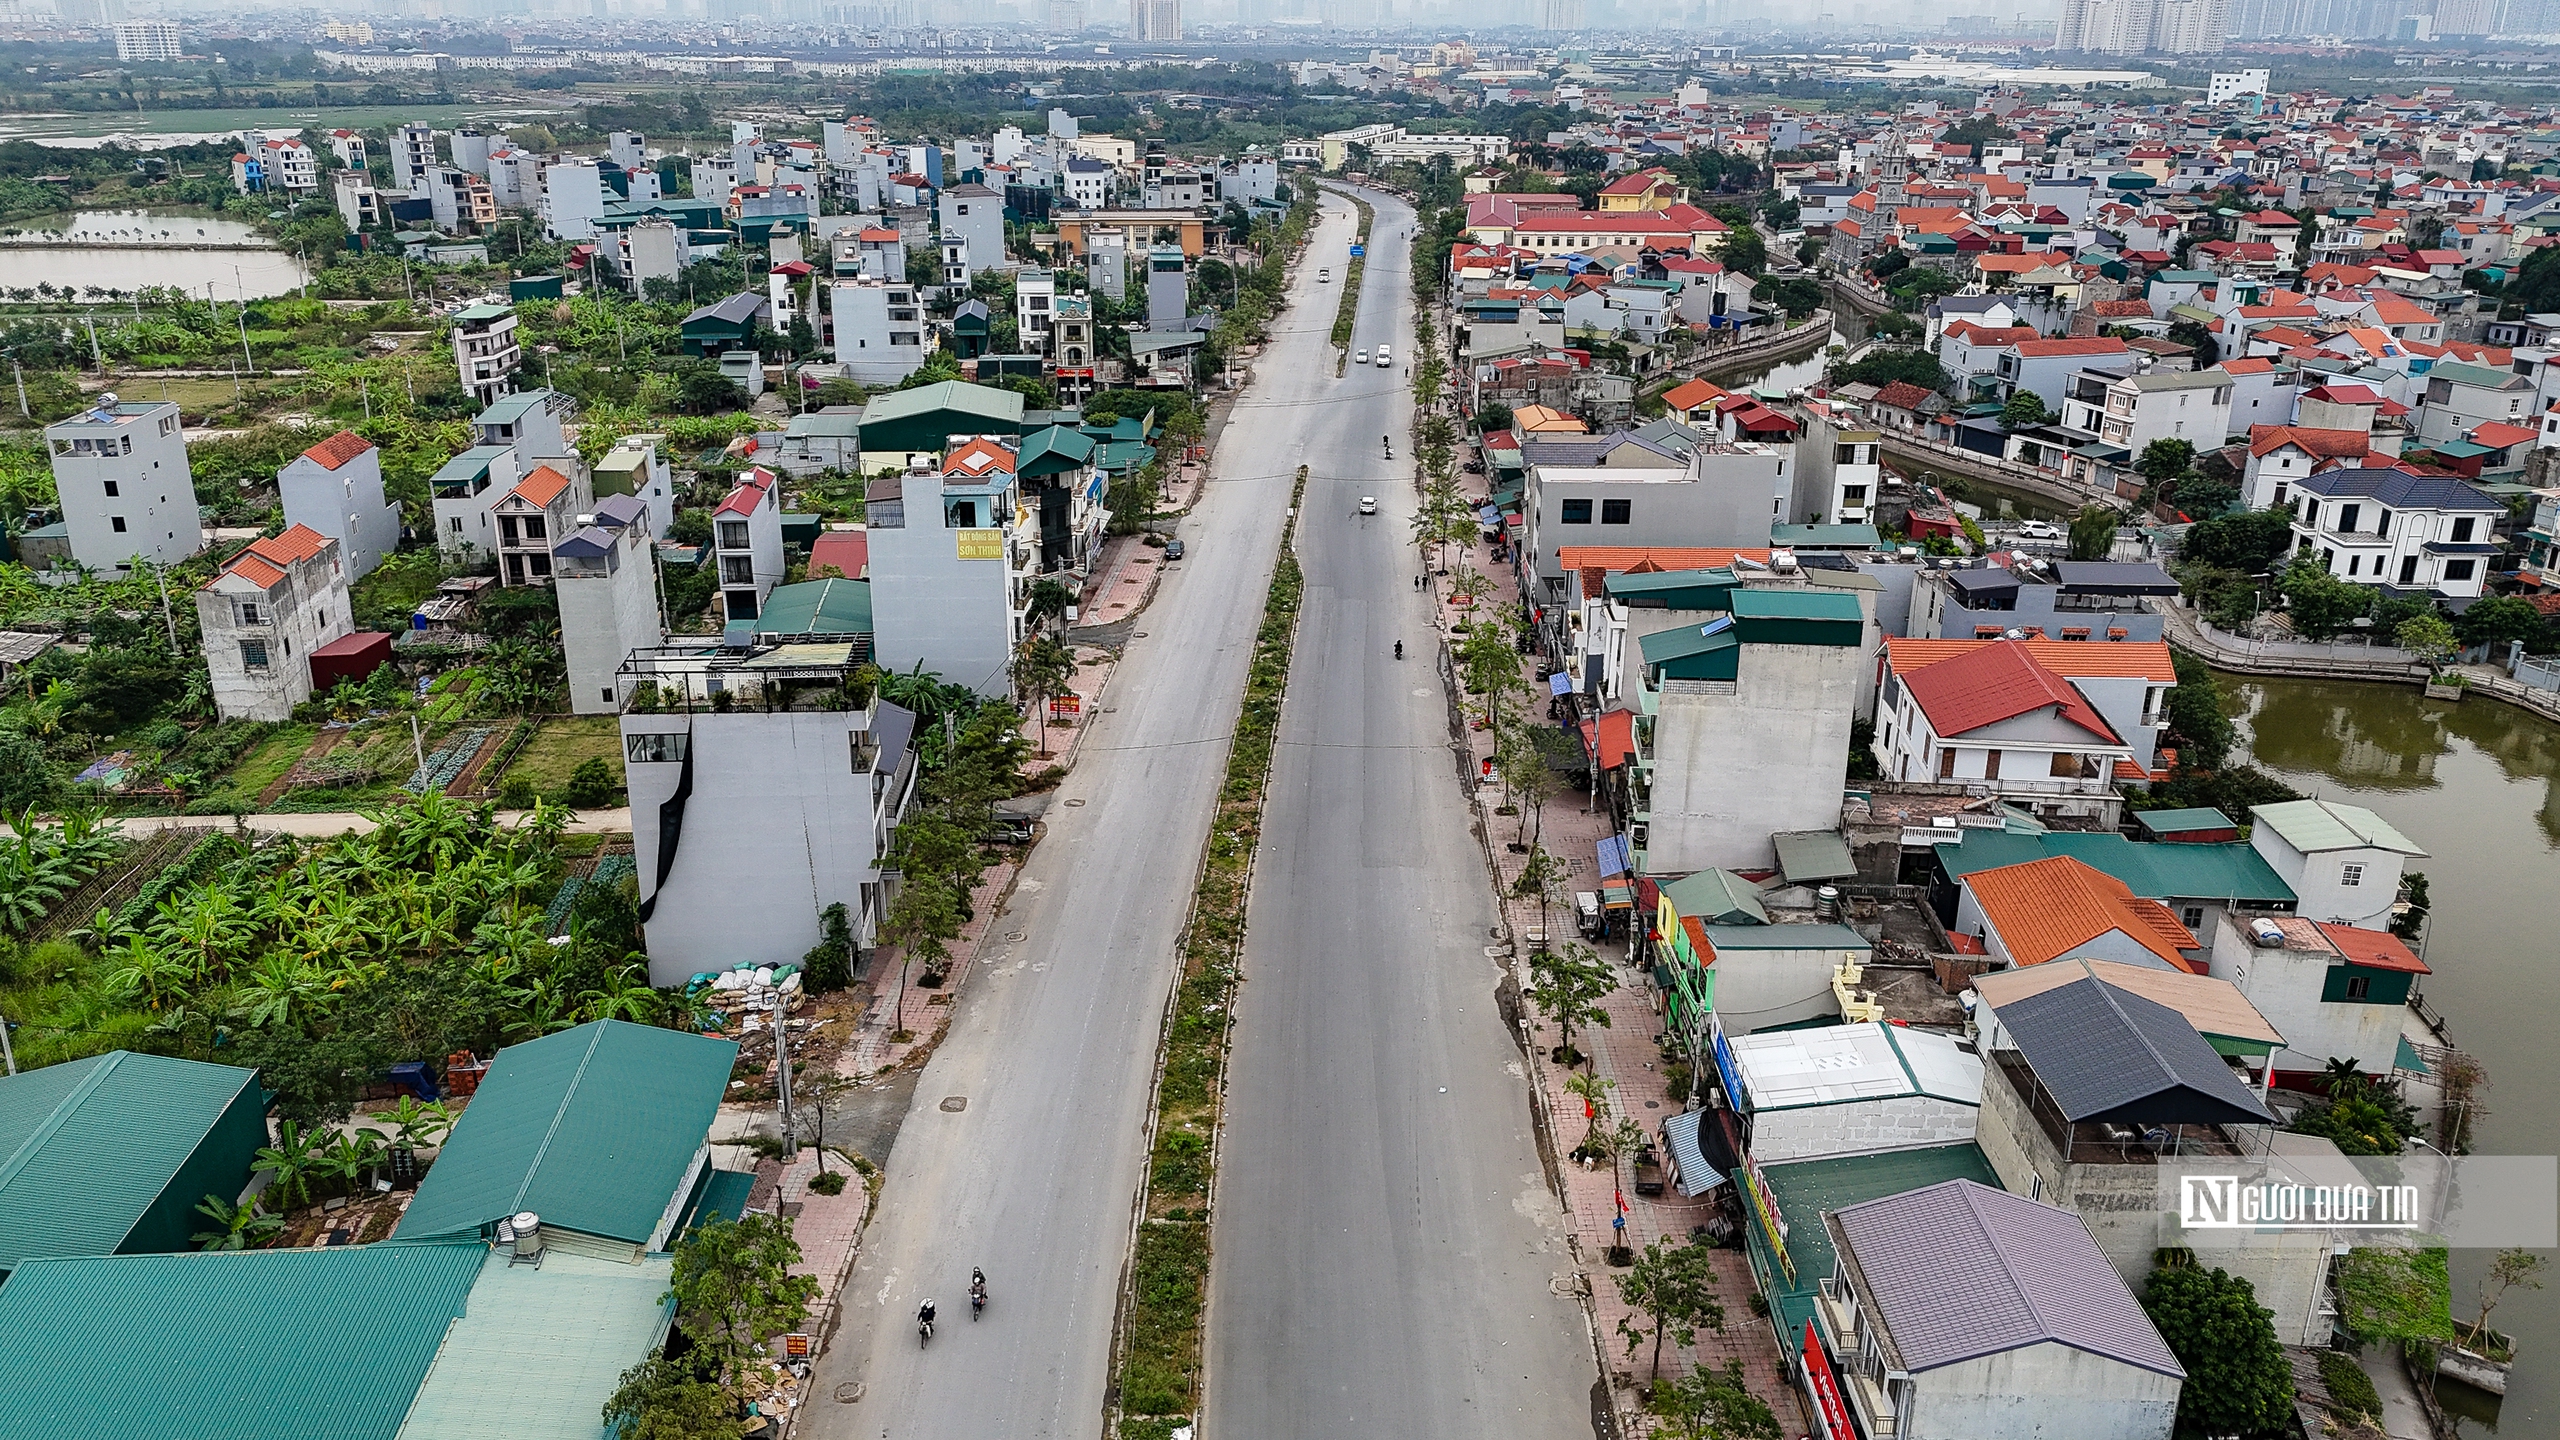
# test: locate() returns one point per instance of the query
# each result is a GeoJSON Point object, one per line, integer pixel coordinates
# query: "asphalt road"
{"type": "Point", "coordinates": [1021, 1152]}
{"type": "Point", "coordinates": [1386, 1242]}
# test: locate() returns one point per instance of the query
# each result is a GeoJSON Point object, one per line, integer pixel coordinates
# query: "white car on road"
{"type": "Point", "coordinates": [1385, 360]}
{"type": "Point", "coordinates": [1360, 356]}
{"type": "Point", "coordinates": [2038, 530]}
{"type": "Point", "coordinates": [1368, 504]}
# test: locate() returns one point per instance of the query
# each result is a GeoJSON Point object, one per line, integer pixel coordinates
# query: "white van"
{"type": "Point", "coordinates": [1385, 360]}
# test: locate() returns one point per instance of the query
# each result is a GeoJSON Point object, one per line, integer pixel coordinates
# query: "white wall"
{"type": "Point", "coordinates": [345, 504]}
{"type": "Point", "coordinates": [604, 618]}
{"type": "Point", "coordinates": [141, 456]}
{"type": "Point", "coordinates": [2319, 880]}
{"type": "Point", "coordinates": [778, 826]}
{"type": "Point", "coordinates": [1730, 770]}
{"type": "Point", "coordinates": [2043, 1392]}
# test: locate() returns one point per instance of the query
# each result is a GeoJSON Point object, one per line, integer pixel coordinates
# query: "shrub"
{"type": "Point", "coordinates": [592, 785]}
{"type": "Point", "coordinates": [2349, 1386]}
{"type": "Point", "coordinates": [518, 793]}
{"type": "Point", "coordinates": [827, 1182]}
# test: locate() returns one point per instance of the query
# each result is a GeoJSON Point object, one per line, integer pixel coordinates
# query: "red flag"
{"type": "Point", "coordinates": [1622, 1200]}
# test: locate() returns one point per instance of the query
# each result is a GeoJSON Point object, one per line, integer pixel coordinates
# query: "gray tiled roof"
{"type": "Point", "coordinates": [2105, 1053]}
{"type": "Point", "coordinates": [1959, 1270]}
{"type": "Point", "coordinates": [2399, 489]}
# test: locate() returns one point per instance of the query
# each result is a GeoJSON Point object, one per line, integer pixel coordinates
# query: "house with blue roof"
{"type": "Point", "coordinates": [2405, 533]}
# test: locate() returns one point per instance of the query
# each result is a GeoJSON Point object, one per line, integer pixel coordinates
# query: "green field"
{"type": "Point", "coordinates": [559, 745]}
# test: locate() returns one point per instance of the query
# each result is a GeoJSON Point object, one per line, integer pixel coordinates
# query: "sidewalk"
{"type": "Point", "coordinates": [1570, 828]}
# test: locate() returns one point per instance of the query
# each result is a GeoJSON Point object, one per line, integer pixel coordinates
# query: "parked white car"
{"type": "Point", "coordinates": [2038, 530]}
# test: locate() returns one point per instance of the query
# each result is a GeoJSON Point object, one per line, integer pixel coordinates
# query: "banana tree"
{"type": "Point", "coordinates": [235, 1227]}
{"type": "Point", "coordinates": [625, 995]}
{"type": "Point", "coordinates": [414, 1123]}
{"type": "Point", "coordinates": [350, 1155]}
{"type": "Point", "coordinates": [294, 1160]}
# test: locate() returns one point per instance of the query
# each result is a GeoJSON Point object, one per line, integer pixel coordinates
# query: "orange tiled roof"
{"type": "Point", "coordinates": [338, 449]}
{"type": "Point", "coordinates": [2070, 659]}
{"type": "Point", "coordinates": [2379, 949]}
{"type": "Point", "coordinates": [265, 561]}
{"type": "Point", "coordinates": [2325, 444]}
{"type": "Point", "coordinates": [2046, 909]}
{"type": "Point", "coordinates": [980, 456]}
{"type": "Point", "coordinates": [1619, 559]}
{"type": "Point", "coordinates": [1996, 680]}
{"type": "Point", "coordinates": [541, 487]}
{"type": "Point", "coordinates": [1691, 395]}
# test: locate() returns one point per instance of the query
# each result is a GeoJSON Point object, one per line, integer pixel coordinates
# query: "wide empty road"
{"type": "Point", "coordinates": [1022, 1151]}
{"type": "Point", "coordinates": [1386, 1241]}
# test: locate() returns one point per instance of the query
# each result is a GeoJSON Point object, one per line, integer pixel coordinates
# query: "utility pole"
{"type": "Point", "coordinates": [782, 1077]}
{"type": "Point", "coordinates": [21, 377]}
{"type": "Point", "coordinates": [95, 358]}
{"type": "Point", "coordinates": [166, 617]}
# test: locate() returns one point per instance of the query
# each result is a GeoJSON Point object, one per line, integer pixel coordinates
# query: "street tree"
{"type": "Point", "coordinates": [1674, 1288]}
{"type": "Point", "coordinates": [662, 1399]}
{"type": "Point", "coordinates": [2026, 408]}
{"type": "Point", "coordinates": [1043, 669]}
{"type": "Point", "coordinates": [1592, 1089]}
{"type": "Point", "coordinates": [1489, 659]}
{"type": "Point", "coordinates": [1539, 875]}
{"type": "Point", "coordinates": [1712, 1405]}
{"type": "Point", "coordinates": [734, 1290]}
{"type": "Point", "coordinates": [1567, 987]}
{"type": "Point", "coordinates": [2093, 533]}
{"type": "Point", "coordinates": [2428, 638]}
{"type": "Point", "coordinates": [2238, 1380]}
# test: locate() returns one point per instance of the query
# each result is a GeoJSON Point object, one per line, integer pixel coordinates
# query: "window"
{"type": "Point", "coordinates": [2458, 569]}
{"type": "Point", "coordinates": [733, 534]}
{"type": "Point", "coordinates": [866, 752]}
{"type": "Point", "coordinates": [116, 523]}
{"type": "Point", "coordinates": [533, 527]}
{"type": "Point", "coordinates": [111, 490]}
{"type": "Point", "coordinates": [2192, 917]}
{"type": "Point", "coordinates": [250, 614]}
{"type": "Point", "coordinates": [1616, 512]}
{"type": "Point", "coordinates": [2350, 876]}
{"type": "Point", "coordinates": [737, 570]}
{"type": "Point", "coordinates": [2461, 527]}
{"type": "Point", "coordinates": [608, 695]}
{"type": "Point", "coordinates": [253, 654]}
{"type": "Point", "coordinates": [1575, 512]}
{"type": "Point", "coordinates": [2359, 987]}
{"type": "Point", "coordinates": [2348, 515]}
{"type": "Point", "coordinates": [655, 749]}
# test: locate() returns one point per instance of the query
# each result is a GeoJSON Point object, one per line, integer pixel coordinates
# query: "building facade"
{"type": "Point", "coordinates": [273, 605]}
{"type": "Point", "coordinates": [127, 491]}
{"type": "Point", "coordinates": [335, 488]}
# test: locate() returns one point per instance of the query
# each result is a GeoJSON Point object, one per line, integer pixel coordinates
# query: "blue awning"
{"type": "Point", "coordinates": [1692, 1175]}
{"type": "Point", "coordinates": [1613, 856]}
{"type": "Point", "coordinates": [1560, 683]}
{"type": "Point", "coordinates": [1490, 515]}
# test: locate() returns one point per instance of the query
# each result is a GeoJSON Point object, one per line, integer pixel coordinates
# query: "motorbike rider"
{"type": "Point", "coordinates": [1399, 649]}
{"type": "Point", "coordinates": [977, 1292]}
{"type": "Point", "coordinates": [924, 1317]}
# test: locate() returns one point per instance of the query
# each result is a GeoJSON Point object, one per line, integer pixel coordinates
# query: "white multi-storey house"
{"type": "Point", "coordinates": [2428, 533]}
{"type": "Point", "coordinates": [121, 471]}
{"type": "Point", "coordinates": [335, 488]}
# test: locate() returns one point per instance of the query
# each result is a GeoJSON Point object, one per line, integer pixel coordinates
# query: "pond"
{"type": "Point", "coordinates": [129, 249]}
{"type": "Point", "coordinates": [2474, 783]}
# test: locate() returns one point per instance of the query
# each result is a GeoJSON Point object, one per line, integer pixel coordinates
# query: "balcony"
{"type": "Point", "coordinates": [2105, 1142]}
{"type": "Point", "coordinates": [1874, 1405]}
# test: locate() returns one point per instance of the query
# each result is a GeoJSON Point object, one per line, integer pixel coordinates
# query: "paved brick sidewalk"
{"type": "Point", "coordinates": [923, 1013]}
{"type": "Point", "coordinates": [1570, 827]}
{"type": "Point", "coordinates": [828, 1227]}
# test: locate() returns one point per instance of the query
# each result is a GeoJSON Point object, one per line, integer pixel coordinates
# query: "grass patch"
{"type": "Point", "coordinates": [556, 749]}
{"type": "Point", "coordinates": [1169, 1274]}
{"type": "Point", "coordinates": [266, 765]}
{"type": "Point", "coordinates": [2349, 1386]}
{"type": "Point", "coordinates": [1169, 1269]}
{"type": "Point", "coordinates": [1347, 309]}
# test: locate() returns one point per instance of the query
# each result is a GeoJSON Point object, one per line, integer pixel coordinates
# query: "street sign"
{"type": "Point", "coordinates": [1359, 250]}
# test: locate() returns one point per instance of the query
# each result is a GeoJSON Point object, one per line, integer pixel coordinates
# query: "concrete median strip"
{"type": "Point", "coordinates": [1156, 1342]}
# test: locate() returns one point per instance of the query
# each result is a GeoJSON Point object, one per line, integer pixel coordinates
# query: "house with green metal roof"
{"type": "Point", "coordinates": [112, 1154]}
{"type": "Point", "coordinates": [312, 1344]}
{"type": "Point", "coordinates": [904, 426]}
{"type": "Point", "coordinates": [1744, 688]}
{"type": "Point", "coordinates": [830, 609]}
{"type": "Point", "coordinates": [1784, 1239]}
{"type": "Point", "coordinates": [601, 1130]}
{"type": "Point", "coordinates": [2199, 883]}
{"type": "Point", "coordinates": [2343, 861]}
{"type": "Point", "coordinates": [583, 1321]}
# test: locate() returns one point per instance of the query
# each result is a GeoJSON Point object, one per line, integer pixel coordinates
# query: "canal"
{"type": "Point", "coordinates": [2473, 783]}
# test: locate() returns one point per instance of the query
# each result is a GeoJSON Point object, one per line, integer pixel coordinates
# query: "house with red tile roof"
{"type": "Point", "coordinates": [746, 543]}
{"type": "Point", "coordinates": [2281, 455]}
{"type": "Point", "coordinates": [2062, 908]}
{"type": "Point", "coordinates": [537, 514]}
{"type": "Point", "coordinates": [335, 488]}
{"type": "Point", "coordinates": [264, 613]}
{"type": "Point", "coordinates": [2335, 991]}
{"type": "Point", "coordinates": [1994, 714]}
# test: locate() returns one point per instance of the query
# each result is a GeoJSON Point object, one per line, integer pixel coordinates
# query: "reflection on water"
{"type": "Point", "coordinates": [128, 257]}
{"type": "Point", "coordinates": [2473, 784]}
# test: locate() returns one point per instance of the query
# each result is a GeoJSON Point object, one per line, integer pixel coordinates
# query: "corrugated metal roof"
{"type": "Point", "coordinates": [86, 1148]}
{"type": "Point", "coordinates": [2227, 870]}
{"type": "Point", "coordinates": [1716, 897]}
{"type": "Point", "coordinates": [2310, 826]}
{"type": "Point", "coordinates": [1805, 856]}
{"type": "Point", "coordinates": [583, 1321]}
{"type": "Point", "coordinates": [1961, 1270]}
{"type": "Point", "coordinates": [2105, 1053]}
{"type": "Point", "coordinates": [229, 1345]}
{"type": "Point", "coordinates": [2214, 1007]}
{"type": "Point", "coordinates": [832, 606]}
{"type": "Point", "coordinates": [593, 1129]}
